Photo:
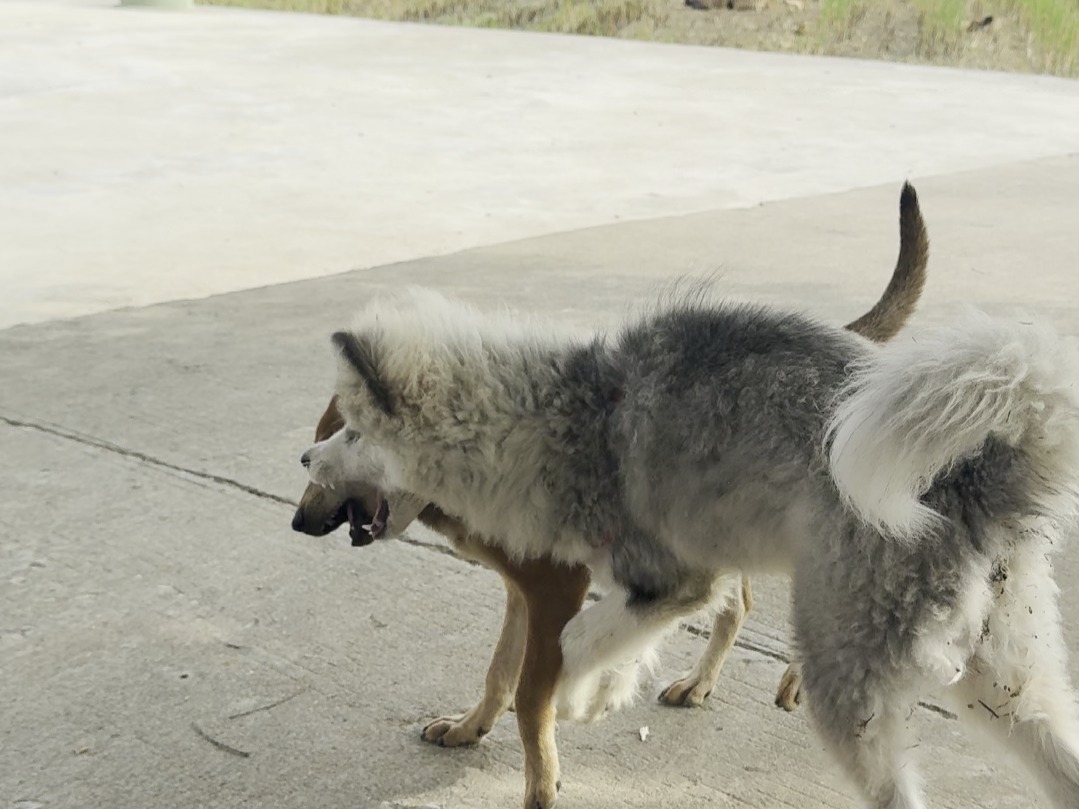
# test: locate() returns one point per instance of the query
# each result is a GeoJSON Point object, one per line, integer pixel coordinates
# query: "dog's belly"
{"type": "Point", "coordinates": [751, 531]}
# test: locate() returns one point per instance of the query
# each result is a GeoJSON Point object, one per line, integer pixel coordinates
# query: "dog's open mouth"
{"type": "Point", "coordinates": [364, 533]}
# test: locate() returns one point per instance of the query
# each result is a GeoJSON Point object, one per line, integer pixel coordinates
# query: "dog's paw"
{"type": "Point", "coordinates": [690, 691]}
{"type": "Point", "coordinates": [460, 730]}
{"type": "Point", "coordinates": [789, 694]}
{"type": "Point", "coordinates": [591, 698]}
{"type": "Point", "coordinates": [575, 697]}
{"type": "Point", "coordinates": [542, 793]}
{"type": "Point", "coordinates": [619, 688]}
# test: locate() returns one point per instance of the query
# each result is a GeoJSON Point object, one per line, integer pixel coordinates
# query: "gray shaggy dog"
{"type": "Point", "coordinates": [914, 492]}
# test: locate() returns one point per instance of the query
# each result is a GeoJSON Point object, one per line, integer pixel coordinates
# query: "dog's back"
{"type": "Point", "coordinates": [724, 413]}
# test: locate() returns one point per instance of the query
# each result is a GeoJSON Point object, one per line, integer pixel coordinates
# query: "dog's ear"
{"type": "Point", "coordinates": [331, 421]}
{"type": "Point", "coordinates": [359, 354]}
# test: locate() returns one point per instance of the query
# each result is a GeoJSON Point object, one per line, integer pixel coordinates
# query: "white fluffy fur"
{"type": "Point", "coordinates": [451, 362]}
{"type": "Point", "coordinates": [1016, 689]}
{"type": "Point", "coordinates": [925, 402]}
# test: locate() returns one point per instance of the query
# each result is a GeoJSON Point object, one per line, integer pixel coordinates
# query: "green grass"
{"type": "Point", "coordinates": [941, 26]}
{"type": "Point", "coordinates": [1054, 29]}
{"type": "Point", "coordinates": [1028, 35]}
{"type": "Point", "coordinates": [839, 18]}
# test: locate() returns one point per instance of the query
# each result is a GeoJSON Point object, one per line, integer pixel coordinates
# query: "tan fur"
{"type": "Point", "coordinates": [552, 593]}
{"type": "Point", "coordinates": [541, 597]}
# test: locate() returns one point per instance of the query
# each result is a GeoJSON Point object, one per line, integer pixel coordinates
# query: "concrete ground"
{"type": "Point", "coordinates": [151, 584]}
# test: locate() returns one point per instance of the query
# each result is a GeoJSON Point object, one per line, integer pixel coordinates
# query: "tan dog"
{"type": "Point", "coordinates": [542, 596]}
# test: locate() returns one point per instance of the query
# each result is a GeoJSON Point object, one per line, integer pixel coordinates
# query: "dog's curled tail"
{"type": "Point", "coordinates": [897, 304]}
{"type": "Point", "coordinates": [916, 407]}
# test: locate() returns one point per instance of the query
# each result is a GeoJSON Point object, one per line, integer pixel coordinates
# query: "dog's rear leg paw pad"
{"type": "Point", "coordinates": [459, 730]}
{"type": "Point", "coordinates": [689, 692]}
{"type": "Point", "coordinates": [542, 798]}
{"type": "Point", "coordinates": [789, 694]}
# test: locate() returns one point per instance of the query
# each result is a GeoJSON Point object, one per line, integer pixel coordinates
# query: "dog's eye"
{"type": "Point", "coordinates": [351, 436]}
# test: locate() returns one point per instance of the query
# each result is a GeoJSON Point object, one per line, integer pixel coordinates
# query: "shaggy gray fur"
{"type": "Point", "coordinates": [709, 438]}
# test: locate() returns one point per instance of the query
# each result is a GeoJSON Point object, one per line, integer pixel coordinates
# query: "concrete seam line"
{"type": "Point", "coordinates": [108, 446]}
{"type": "Point", "coordinates": [221, 480]}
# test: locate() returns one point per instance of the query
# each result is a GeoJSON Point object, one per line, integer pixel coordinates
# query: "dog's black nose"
{"type": "Point", "coordinates": [305, 459]}
{"type": "Point", "coordinates": [297, 520]}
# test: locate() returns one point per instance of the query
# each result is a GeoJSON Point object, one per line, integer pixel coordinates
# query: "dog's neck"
{"type": "Point", "coordinates": [511, 452]}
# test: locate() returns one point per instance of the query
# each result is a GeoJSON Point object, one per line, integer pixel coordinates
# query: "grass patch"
{"type": "Point", "coordinates": [941, 27]}
{"type": "Point", "coordinates": [1054, 30]}
{"type": "Point", "coordinates": [1025, 35]}
{"type": "Point", "coordinates": [839, 18]}
{"type": "Point", "coordinates": [607, 18]}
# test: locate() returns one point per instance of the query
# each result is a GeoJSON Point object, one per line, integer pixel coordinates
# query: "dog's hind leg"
{"type": "Point", "coordinates": [866, 733]}
{"type": "Point", "coordinates": [1038, 726]}
{"type": "Point", "coordinates": [789, 693]}
{"type": "Point", "coordinates": [695, 687]}
{"type": "Point", "coordinates": [858, 700]}
{"type": "Point", "coordinates": [1016, 688]}
{"type": "Point", "coordinates": [501, 683]}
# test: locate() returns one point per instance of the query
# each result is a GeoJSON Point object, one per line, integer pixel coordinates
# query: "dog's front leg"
{"type": "Point", "coordinates": [553, 595]}
{"type": "Point", "coordinates": [619, 628]}
{"type": "Point", "coordinates": [502, 677]}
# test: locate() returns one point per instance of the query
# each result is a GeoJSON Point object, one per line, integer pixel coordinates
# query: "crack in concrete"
{"type": "Point", "coordinates": [108, 446]}
{"type": "Point", "coordinates": [230, 483]}
{"type": "Point", "coordinates": [221, 480]}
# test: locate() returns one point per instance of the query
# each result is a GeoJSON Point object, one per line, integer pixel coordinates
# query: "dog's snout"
{"type": "Point", "coordinates": [297, 518]}
{"type": "Point", "coordinates": [305, 459]}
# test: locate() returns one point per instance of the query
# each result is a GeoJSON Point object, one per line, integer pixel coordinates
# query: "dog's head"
{"type": "Point", "coordinates": [405, 393]}
{"type": "Point", "coordinates": [342, 494]}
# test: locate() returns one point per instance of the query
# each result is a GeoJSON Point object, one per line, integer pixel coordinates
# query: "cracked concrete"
{"type": "Point", "coordinates": [107, 446]}
{"type": "Point", "coordinates": [158, 619]}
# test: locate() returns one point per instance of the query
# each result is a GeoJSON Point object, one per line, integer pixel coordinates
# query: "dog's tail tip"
{"type": "Point", "coordinates": [908, 199]}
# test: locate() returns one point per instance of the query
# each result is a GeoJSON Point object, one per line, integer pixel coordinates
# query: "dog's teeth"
{"type": "Point", "coordinates": [367, 527]}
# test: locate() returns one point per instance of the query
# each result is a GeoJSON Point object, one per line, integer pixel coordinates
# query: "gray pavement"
{"type": "Point", "coordinates": [149, 583]}
{"type": "Point", "coordinates": [151, 156]}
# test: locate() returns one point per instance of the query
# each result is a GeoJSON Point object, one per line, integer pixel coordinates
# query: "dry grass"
{"type": "Point", "coordinates": [1024, 35]}
{"type": "Point", "coordinates": [840, 18]}
{"type": "Point", "coordinates": [1054, 31]}
{"type": "Point", "coordinates": [941, 27]}
{"type": "Point", "coordinates": [613, 18]}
